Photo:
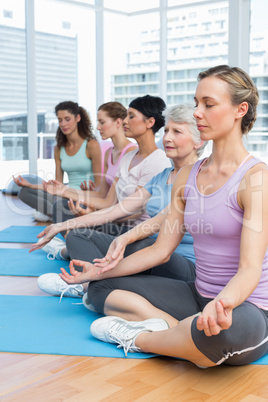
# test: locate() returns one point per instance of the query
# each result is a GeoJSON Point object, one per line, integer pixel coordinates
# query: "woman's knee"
{"type": "Point", "coordinates": [24, 194]}
{"type": "Point", "coordinates": [61, 211]}
{"type": "Point", "coordinates": [98, 292]}
{"type": "Point", "coordinates": [241, 343]}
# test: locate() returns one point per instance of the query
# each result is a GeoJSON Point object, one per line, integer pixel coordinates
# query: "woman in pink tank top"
{"type": "Point", "coordinates": [222, 201]}
{"type": "Point", "coordinates": [110, 125]}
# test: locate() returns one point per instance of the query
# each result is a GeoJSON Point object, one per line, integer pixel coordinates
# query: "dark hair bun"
{"type": "Point", "coordinates": [151, 106]}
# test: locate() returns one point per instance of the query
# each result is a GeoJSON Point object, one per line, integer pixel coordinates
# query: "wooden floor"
{"type": "Point", "coordinates": [31, 377]}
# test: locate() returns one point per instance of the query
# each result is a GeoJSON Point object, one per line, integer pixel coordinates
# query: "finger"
{"type": "Point", "coordinates": [63, 270]}
{"type": "Point", "coordinates": [227, 304]}
{"type": "Point", "coordinates": [65, 278]}
{"type": "Point", "coordinates": [100, 260]}
{"type": "Point", "coordinates": [41, 234]}
{"type": "Point", "coordinates": [83, 211]}
{"type": "Point", "coordinates": [223, 318]}
{"type": "Point", "coordinates": [118, 250]}
{"type": "Point", "coordinates": [80, 263]}
{"type": "Point", "coordinates": [35, 246]}
{"type": "Point", "coordinates": [108, 267]}
{"type": "Point", "coordinates": [214, 328]}
{"type": "Point", "coordinates": [106, 258]}
{"type": "Point", "coordinates": [206, 328]}
{"type": "Point", "coordinates": [77, 207]}
{"type": "Point", "coordinates": [71, 205]}
{"type": "Point", "coordinates": [199, 323]}
{"type": "Point", "coordinates": [66, 274]}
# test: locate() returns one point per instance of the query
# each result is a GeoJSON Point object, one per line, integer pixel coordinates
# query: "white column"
{"type": "Point", "coordinates": [239, 35]}
{"type": "Point", "coordinates": [31, 85]}
{"type": "Point", "coordinates": [163, 49]}
{"type": "Point", "coordinates": [99, 53]}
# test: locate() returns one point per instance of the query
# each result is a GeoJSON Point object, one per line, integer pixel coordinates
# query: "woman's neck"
{"type": "Point", "coordinates": [227, 153]}
{"type": "Point", "coordinates": [74, 139]}
{"type": "Point", "coordinates": [146, 144]}
{"type": "Point", "coordinates": [181, 162]}
{"type": "Point", "coordinates": [120, 141]}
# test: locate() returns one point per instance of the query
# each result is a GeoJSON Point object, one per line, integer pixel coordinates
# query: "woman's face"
{"type": "Point", "coordinates": [214, 114]}
{"type": "Point", "coordinates": [178, 141]}
{"type": "Point", "coordinates": [135, 123]}
{"type": "Point", "coordinates": [106, 125]}
{"type": "Point", "coordinates": [67, 121]}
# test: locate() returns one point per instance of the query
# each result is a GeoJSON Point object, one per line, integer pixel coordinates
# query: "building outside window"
{"type": "Point", "coordinates": [65, 51]}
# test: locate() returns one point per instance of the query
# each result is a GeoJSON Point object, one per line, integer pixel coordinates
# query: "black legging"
{"type": "Point", "coordinates": [88, 244]}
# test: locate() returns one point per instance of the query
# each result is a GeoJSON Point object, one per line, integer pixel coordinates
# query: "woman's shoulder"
{"type": "Point", "coordinates": [164, 174]}
{"type": "Point", "coordinates": [184, 174]}
{"type": "Point", "coordinates": [92, 146]}
{"type": "Point", "coordinates": [256, 175]}
{"type": "Point", "coordinates": [57, 151]}
{"type": "Point", "coordinates": [130, 147]}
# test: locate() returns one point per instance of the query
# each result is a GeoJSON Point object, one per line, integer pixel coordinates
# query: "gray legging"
{"type": "Point", "coordinates": [37, 199]}
{"type": "Point", "coordinates": [87, 244]}
{"type": "Point", "coordinates": [244, 342]}
{"type": "Point", "coordinates": [51, 205]}
{"type": "Point", "coordinates": [61, 211]}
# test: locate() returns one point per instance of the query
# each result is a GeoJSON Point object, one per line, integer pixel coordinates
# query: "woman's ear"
{"type": "Point", "coordinates": [150, 122]}
{"type": "Point", "coordinates": [241, 110]}
{"type": "Point", "coordinates": [197, 146]}
{"type": "Point", "coordinates": [119, 122]}
{"type": "Point", "coordinates": [78, 118]}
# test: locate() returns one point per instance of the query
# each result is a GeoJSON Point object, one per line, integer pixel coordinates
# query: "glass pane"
{"type": "Point", "coordinates": [197, 39]}
{"type": "Point", "coordinates": [135, 69]}
{"type": "Point", "coordinates": [258, 137]}
{"type": "Point", "coordinates": [92, 2]}
{"type": "Point", "coordinates": [65, 67]}
{"type": "Point", "coordinates": [182, 2]}
{"type": "Point", "coordinates": [131, 6]}
{"type": "Point", "coordinates": [13, 90]}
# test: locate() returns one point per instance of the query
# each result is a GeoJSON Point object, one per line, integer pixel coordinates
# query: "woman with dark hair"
{"type": "Point", "coordinates": [77, 153]}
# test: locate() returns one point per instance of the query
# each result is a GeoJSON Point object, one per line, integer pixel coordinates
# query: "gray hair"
{"type": "Point", "coordinates": [185, 114]}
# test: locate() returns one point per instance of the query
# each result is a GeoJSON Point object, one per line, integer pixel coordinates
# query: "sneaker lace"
{"type": "Point", "coordinates": [124, 341]}
{"type": "Point", "coordinates": [51, 256]}
{"type": "Point", "coordinates": [64, 289]}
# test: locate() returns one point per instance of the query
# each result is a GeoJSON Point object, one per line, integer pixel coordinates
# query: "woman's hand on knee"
{"type": "Point", "coordinates": [88, 274]}
{"type": "Point", "coordinates": [80, 208]}
{"type": "Point", "coordinates": [54, 187]}
{"type": "Point", "coordinates": [45, 236]}
{"type": "Point", "coordinates": [90, 186]}
{"type": "Point", "coordinates": [217, 316]}
{"type": "Point", "coordinates": [21, 182]}
{"type": "Point", "coordinates": [114, 255]}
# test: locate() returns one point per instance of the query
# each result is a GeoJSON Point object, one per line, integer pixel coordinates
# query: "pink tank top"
{"type": "Point", "coordinates": [112, 168]}
{"type": "Point", "coordinates": [215, 222]}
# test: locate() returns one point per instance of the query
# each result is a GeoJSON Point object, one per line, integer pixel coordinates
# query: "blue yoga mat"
{"type": "Point", "coordinates": [19, 262]}
{"type": "Point", "coordinates": [21, 234]}
{"type": "Point", "coordinates": [38, 324]}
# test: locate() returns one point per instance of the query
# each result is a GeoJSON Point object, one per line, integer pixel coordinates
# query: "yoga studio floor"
{"type": "Point", "coordinates": [42, 377]}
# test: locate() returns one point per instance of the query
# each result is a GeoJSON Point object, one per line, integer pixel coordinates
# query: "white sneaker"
{"type": "Point", "coordinates": [40, 217]}
{"type": "Point", "coordinates": [87, 304]}
{"type": "Point", "coordinates": [55, 286]}
{"type": "Point", "coordinates": [117, 330]}
{"type": "Point", "coordinates": [53, 248]}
